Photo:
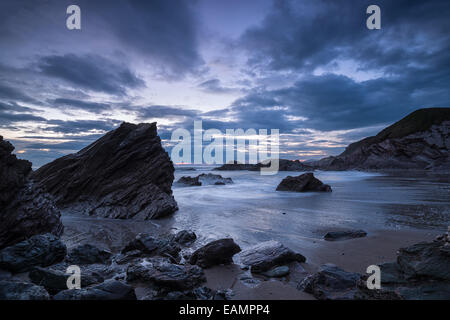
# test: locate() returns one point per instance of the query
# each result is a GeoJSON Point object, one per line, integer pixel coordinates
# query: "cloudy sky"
{"type": "Point", "coordinates": [310, 68]}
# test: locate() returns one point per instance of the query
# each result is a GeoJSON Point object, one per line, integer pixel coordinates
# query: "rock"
{"type": "Point", "coordinates": [189, 181]}
{"type": "Point", "coordinates": [109, 290]}
{"type": "Point", "coordinates": [331, 283]}
{"type": "Point", "coordinates": [215, 253]}
{"type": "Point", "coordinates": [283, 165]}
{"type": "Point", "coordinates": [88, 254]}
{"type": "Point", "coordinates": [303, 183]}
{"type": "Point", "coordinates": [418, 141]}
{"type": "Point", "coordinates": [277, 272]}
{"type": "Point", "coordinates": [344, 235]}
{"type": "Point", "coordinates": [125, 174]}
{"type": "Point", "coordinates": [166, 275]}
{"type": "Point", "coordinates": [425, 260]}
{"type": "Point", "coordinates": [25, 208]}
{"type": "Point", "coordinates": [14, 290]}
{"type": "Point", "coordinates": [164, 247]}
{"type": "Point", "coordinates": [185, 237]}
{"type": "Point", "coordinates": [267, 255]}
{"type": "Point", "coordinates": [128, 256]}
{"type": "Point", "coordinates": [55, 280]}
{"type": "Point", "coordinates": [41, 250]}
{"type": "Point", "coordinates": [215, 179]}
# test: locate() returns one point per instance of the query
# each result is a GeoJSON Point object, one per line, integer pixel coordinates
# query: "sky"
{"type": "Point", "coordinates": [310, 68]}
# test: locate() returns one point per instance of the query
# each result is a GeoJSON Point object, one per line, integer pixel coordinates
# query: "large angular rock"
{"type": "Point", "coordinates": [267, 255]}
{"type": "Point", "coordinates": [125, 174]}
{"type": "Point", "coordinates": [215, 253]}
{"type": "Point", "coordinates": [109, 290]}
{"type": "Point", "coordinates": [25, 208]}
{"type": "Point", "coordinates": [166, 275]}
{"type": "Point", "coordinates": [331, 283]}
{"type": "Point", "coordinates": [40, 250]}
{"type": "Point", "coordinates": [151, 246]}
{"type": "Point", "coordinates": [14, 290]}
{"type": "Point", "coordinates": [303, 183]}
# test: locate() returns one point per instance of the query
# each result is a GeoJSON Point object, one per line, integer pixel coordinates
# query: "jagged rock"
{"type": "Point", "coordinates": [166, 275]}
{"type": "Point", "coordinates": [331, 283]}
{"type": "Point", "coordinates": [88, 254]}
{"type": "Point", "coordinates": [185, 237]}
{"type": "Point", "coordinates": [214, 253]}
{"type": "Point", "coordinates": [303, 183]}
{"type": "Point", "coordinates": [55, 280]}
{"type": "Point", "coordinates": [277, 272]}
{"type": "Point", "coordinates": [151, 246]}
{"type": "Point", "coordinates": [40, 250]}
{"type": "Point", "coordinates": [418, 141]}
{"type": "Point", "coordinates": [189, 181]}
{"type": "Point", "coordinates": [109, 290]}
{"type": "Point", "coordinates": [125, 174]}
{"type": "Point", "coordinates": [267, 255]}
{"type": "Point", "coordinates": [425, 259]}
{"type": "Point", "coordinates": [128, 256]}
{"type": "Point", "coordinates": [14, 290]}
{"type": "Point", "coordinates": [25, 209]}
{"type": "Point", "coordinates": [344, 235]}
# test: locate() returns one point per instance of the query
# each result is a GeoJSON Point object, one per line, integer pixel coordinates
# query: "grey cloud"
{"type": "Point", "coordinates": [79, 104]}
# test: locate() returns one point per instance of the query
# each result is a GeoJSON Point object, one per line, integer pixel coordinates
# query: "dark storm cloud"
{"type": "Point", "coordinates": [11, 113]}
{"type": "Point", "coordinates": [79, 104]}
{"type": "Point", "coordinates": [12, 94]}
{"type": "Point", "coordinates": [90, 72]}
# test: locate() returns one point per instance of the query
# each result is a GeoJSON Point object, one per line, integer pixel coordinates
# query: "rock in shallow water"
{"type": "Point", "coordinates": [303, 183]}
{"type": "Point", "coordinates": [214, 253]}
{"type": "Point", "coordinates": [125, 174]}
{"type": "Point", "coordinates": [109, 290]}
{"type": "Point", "coordinates": [12, 290]}
{"type": "Point", "coordinates": [41, 250]}
{"type": "Point", "coordinates": [266, 255]}
{"type": "Point", "coordinates": [344, 235]}
{"type": "Point", "coordinates": [277, 272]}
{"type": "Point", "coordinates": [151, 246]}
{"type": "Point", "coordinates": [185, 237]}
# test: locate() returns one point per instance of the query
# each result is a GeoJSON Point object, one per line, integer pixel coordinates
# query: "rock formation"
{"type": "Point", "coordinates": [418, 141]}
{"type": "Point", "coordinates": [215, 253]}
{"type": "Point", "coordinates": [204, 179]}
{"type": "Point", "coordinates": [283, 165]}
{"type": "Point", "coordinates": [25, 208]}
{"type": "Point", "coordinates": [303, 183]}
{"type": "Point", "coordinates": [125, 174]}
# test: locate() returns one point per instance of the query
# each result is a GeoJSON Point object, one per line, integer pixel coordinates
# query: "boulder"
{"type": "Point", "coordinates": [124, 174]}
{"type": "Point", "coordinates": [109, 290]}
{"type": "Point", "coordinates": [185, 237]}
{"type": "Point", "coordinates": [303, 183]}
{"type": "Point", "coordinates": [277, 272]}
{"type": "Point", "coordinates": [55, 280]}
{"type": "Point", "coordinates": [331, 283]}
{"type": "Point", "coordinates": [40, 250]}
{"type": "Point", "coordinates": [15, 290]}
{"type": "Point", "coordinates": [189, 181]}
{"type": "Point", "coordinates": [166, 275]}
{"type": "Point", "coordinates": [25, 208]}
{"type": "Point", "coordinates": [215, 253]}
{"type": "Point", "coordinates": [216, 179]}
{"type": "Point", "coordinates": [88, 254]}
{"type": "Point", "coordinates": [344, 235]}
{"type": "Point", "coordinates": [151, 246]}
{"type": "Point", "coordinates": [267, 255]}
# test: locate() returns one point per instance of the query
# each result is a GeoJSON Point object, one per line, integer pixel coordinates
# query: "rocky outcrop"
{"type": "Point", "coordinates": [40, 250]}
{"type": "Point", "coordinates": [215, 253]}
{"type": "Point", "coordinates": [283, 165]}
{"type": "Point", "coordinates": [418, 141]}
{"type": "Point", "coordinates": [303, 183]}
{"type": "Point", "coordinates": [125, 174]}
{"type": "Point", "coordinates": [88, 254]}
{"type": "Point", "coordinates": [344, 235]}
{"type": "Point", "coordinates": [184, 237]}
{"type": "Point", "coordinates": [151, 246]}
{"type": "Point", "coordinates": [25, 208]}
{"type": "Point", "coordinates": [204, 179]}
{"type": "Point", "coordinates": [266, 255]}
